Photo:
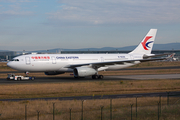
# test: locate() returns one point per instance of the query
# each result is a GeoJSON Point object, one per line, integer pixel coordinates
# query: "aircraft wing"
{"type": "Point", "coordinates": [157, 55]}
{"type": "Point", "coordinates": [101, 64]}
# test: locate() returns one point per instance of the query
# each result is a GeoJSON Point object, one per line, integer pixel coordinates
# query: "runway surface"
{"type": "Point", "coordinates": [48, 79]}
{"type": "Point", "coordinates": [106, 78]}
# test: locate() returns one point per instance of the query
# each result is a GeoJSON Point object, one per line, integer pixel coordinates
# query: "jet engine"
{"type": "Point", "coordinates": [83, 71]}
{"type": "Point", "coordinates": [53, 73]}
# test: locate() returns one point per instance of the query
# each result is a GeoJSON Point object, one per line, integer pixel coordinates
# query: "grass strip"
{"type": "Point", "coordinates": [86, 88]}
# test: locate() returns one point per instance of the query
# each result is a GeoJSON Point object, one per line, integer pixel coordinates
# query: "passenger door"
{"type": "Point", "coordinates": [28, 60]}
{"type": "Point", "coordinates": [102, 59]}
{"type": "Point", "coordinates": [53, 60]}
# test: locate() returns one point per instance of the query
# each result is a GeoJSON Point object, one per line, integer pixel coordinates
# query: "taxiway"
{"type": "Point", "coordinates": [106, 78]}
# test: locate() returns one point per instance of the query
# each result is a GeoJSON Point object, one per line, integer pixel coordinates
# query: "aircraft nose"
{"type": "Point", "coordinates": [14, 65]}
{"type": "Point", "coordinates": [9, 64]}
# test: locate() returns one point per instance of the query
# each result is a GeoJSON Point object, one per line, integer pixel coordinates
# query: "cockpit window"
{"type": "Point", "coordinates": [15, 59]}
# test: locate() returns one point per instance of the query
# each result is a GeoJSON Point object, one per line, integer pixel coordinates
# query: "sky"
{"type": "Point", "coordinates": [72, 24]}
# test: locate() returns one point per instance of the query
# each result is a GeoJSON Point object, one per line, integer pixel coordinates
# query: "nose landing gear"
{"type": "Point", "coordinates": [26, 73]}
{"type": "Point", "coordinates": [30, 78]}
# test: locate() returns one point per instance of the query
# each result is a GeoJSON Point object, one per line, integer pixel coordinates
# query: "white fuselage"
{"type": "Point", "coordinates": [58, 62]}
{"type": "Point", "coordinates": [83, 65]}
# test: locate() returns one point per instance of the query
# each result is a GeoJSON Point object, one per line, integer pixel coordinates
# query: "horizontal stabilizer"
{"type": "Point", "coordinates": [153, 55]}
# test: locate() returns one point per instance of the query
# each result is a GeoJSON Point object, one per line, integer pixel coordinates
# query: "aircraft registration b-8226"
{"type": "Point", "coordinates": [83, 65]}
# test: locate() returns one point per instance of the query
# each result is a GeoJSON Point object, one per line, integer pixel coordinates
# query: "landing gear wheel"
{"type": "Point", "coordinates": [97, 77]}
{"type": "Point", "coordinates": [94, 76]}
{"type": "Point", "coordinates": [100, 77]}
{"type": "Point", "coordinates": [26, 73]}
{"type": "Point", "coordinates": [33, 78]}
{"type": "Point", "coordinates": [18, 78]}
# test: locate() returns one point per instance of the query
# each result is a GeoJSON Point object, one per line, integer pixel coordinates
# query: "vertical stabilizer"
{"type": "Point", "coordinates": [146, 45]}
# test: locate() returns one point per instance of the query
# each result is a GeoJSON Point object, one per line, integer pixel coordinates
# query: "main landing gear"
{"type": "Point", "coordinates": [97, 76]}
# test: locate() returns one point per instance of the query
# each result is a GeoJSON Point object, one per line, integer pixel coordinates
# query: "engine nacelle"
{"type": "Point", "coordinates": [53, 73]}
{"type": "Point", "coordinates": [84, 71]}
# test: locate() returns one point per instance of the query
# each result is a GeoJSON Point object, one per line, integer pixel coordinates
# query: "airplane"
{"type": "Point", "coordinates": [83, 65]}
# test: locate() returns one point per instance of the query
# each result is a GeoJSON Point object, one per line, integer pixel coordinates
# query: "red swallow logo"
{"type": "Point", "coordinates": [145, 43]}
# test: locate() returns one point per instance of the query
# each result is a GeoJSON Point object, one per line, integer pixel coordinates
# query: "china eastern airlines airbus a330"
{"type": "Point", "coordinates": [83, 65]}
